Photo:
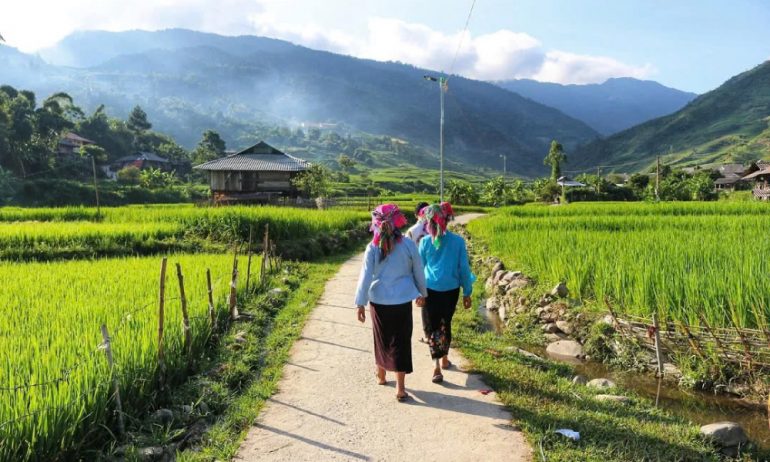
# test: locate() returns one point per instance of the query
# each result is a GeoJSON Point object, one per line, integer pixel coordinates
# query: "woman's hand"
{"type": "Point", "coordinates": [361, 313]}
{"type": "Point", "coordinates": [467, 302]}
{"type": "Point", "coordinates": [420, 301]}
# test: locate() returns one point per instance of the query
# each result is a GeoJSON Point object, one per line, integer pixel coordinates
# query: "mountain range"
{"type": "Point", "coordinates": [728, 124]}
{"type": "Point", "coordinates": [190, 81]}
{"type": "Point", "coordinates": [608, 107]}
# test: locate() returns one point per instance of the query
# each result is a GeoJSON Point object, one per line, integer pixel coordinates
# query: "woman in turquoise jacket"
{"type": "Point", "coordinates": [447, 270]}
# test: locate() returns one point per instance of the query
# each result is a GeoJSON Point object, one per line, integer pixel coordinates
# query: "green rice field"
{"type": "Point", "coordinates": [676, 259]}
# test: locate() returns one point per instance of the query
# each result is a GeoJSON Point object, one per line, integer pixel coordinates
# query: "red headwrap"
{"type": "Point", "coordinates": [386, 221]}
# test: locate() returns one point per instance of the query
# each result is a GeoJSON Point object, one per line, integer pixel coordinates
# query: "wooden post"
{"type": "Point", "coordinates": [185, 318]}
{"type": "Point", "coordinates": [265, 255]}
{"type": "Point", "coordinates": [692, 340]}
{"type": "Point", "coordinates": [720, 347]}
{"type": "Point", "coordinates": [746, 347]}
{"type": "Point", "coordinates": [96, 187]}
{"type": "Point", "coordinates": [161, 312]}
{"type": "Point", "coordinates": [233, 290]}
{"type": "Point", "coordinates": [115, 381]}
{"type": "Point", "coordinates": [212, 312]}
{"type": "Point", "coordinates": [658, 354]}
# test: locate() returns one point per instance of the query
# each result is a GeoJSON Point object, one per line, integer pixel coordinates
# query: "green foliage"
{"type": "Point", "coordinates": [645, 255]}
{"type": "Point", "coordinates": [210, 147]}
{"type": "Point", "coordinates": [154, 178]}
{"type": "Point", "coordinates": [346, 163]}
{"type": "Point", "coordinates": [137, 121]}
{"type": "Point", "coordinates": [95, 152]}
{"type": "Point", "coordinates": [461, 192]}
{"type": "Point", "coordinates": [555, 158]}
{"type": "Point", "coordinates": [546, 190]}
{"type": "Point", "coordinates": [130, 175]}
{"type": "Point", "coordinates": [313, 182]}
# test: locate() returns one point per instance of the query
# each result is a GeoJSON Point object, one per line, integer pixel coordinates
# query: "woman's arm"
{"type": "Point", "coordinates": [467, 278]}
{"type": "Point", "coordinates": [418, 272]}
{"type": "Point", "coordinates": [365, 277]}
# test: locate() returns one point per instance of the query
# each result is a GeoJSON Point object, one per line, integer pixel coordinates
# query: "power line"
{"type": "Point", "coordinates": [460, 43]}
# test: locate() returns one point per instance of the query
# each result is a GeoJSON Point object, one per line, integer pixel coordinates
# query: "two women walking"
{"type": "Point", "coordinates": [397, 271]}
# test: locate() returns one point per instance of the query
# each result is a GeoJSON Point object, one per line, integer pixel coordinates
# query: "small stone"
{"type": "Point", "coordinates": [565, 327]}
{"type": "Point", "coordinates": [240, 337]}
{"type": "Point", "coordinates": [187, 409]}
{"type": "Point", "coordinates": [497, 275]}
{"type": "Point", "coordinates": [499, 266]}
{"type": "Point", "coordinates": [607, 319]}
{"type": "Point", "coordinates": [724, 434]}
{"type": "Point", "coordinates": [489, 286]}
{"type": "Point", "coordinates": [522, 301]}
{"type": "Point", "coordinates": [601, 384]}
{"type": "Point", "coordinates": [151, 453]}
{"type": "Point", "coordinates": [555, 337]}
{"type": "Point", "coordinates": [524, 353]}
{"type": "Point", "coordinates": [502, 312]}
{"type": "Point", "coordinates": [509, 276]}
{"type": "Point", "coordinates": [493, 304]}
{"type": "Point", "coordinates": [550, 328]}
{"type": "Point", "coordinates": [671, 370]}
{"type": "Point", "coordinates": [520, 309]}
{"type": "Point", "coordinates": [560, 290]}
{"type": "Point", "coordinates": [163, 416]}
{"type": "Point", "coordinates": [565, 348]}
{"type": "Point", "coordinates": [539, 311]}
{"type": "Point", "coordinates": [204, 408]}
{"type": "Point", "coordinates": [543, 301]}
{"type": "Point", "coordinates": [276, 292]}
{"type": "Point", "coordinates": [580, 379]}
{"type": "Point", "coordinates": [614, 398]}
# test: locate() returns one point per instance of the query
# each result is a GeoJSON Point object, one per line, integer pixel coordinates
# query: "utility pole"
{"type": "Point", "coordinates": [657, 178]}
{"type": "Point", "coordinates": [442, 88]}
{"type": "Point", "coordinates": [598, 179]}
{"type": "Point", "coordinates": [96, 187]}
{"type": "Point", "coordinates": [505, 166]}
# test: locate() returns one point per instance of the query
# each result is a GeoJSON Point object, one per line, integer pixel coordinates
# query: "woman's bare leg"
{"type": "Point", "coordinates": [445, 361]}
{"type": "Point", "coordinates": [381, 376]}
{"type": "Point", "coordinates": [400, 388]}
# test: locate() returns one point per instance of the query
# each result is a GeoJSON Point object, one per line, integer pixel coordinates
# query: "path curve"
{"type": "Point", "coordinates": [329, 406]}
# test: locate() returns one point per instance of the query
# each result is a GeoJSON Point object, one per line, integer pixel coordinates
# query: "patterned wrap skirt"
{"type": "Point", "coordinates": [437, 320]}
{"type": "Point", "coordinates": [392, 327]}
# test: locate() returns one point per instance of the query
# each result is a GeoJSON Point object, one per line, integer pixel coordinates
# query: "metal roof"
{"type": "Point", "coordinates": [764, 171]}
{"type": "Point", "coordinates": [142, 156]}
{"type": "Point", "coordinates": [258, 158]}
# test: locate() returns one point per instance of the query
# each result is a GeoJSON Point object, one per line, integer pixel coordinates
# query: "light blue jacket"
{"type": "Point", "coordinates": [396, 279]}
{"type": "Point", "coordinates": [447, 267]}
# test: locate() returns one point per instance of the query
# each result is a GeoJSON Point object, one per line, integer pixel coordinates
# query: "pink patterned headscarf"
{"type": "Point", "coordinates": [386, 221]}
{"type": "Point", "coordinates": [437, 217]}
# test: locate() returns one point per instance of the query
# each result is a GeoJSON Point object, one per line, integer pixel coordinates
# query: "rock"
{"type": "Point", "coordinates": [151, 453]}
{"type": "Point", "coordinates": [499, 266]}
{"type": "Point", "coordinates": [614, 398]}
{"type": "Point", "coordinates": [163, 416]}
{"type": "Point", "coordinates": [724, 434]}
{"type": "Point", "coordinates": [203, 407]}
{"type": "Point", "coordinates": [508, 276]}
{"type": "Point", "coordinates": [545, 301]}
{"type": "Point", "coordinates": [565, 348]}
{"type": "Point", "coordinates": [565, 327]}
{"type": "Point", "coordinates": [601, 384]}
{"type": "Point", "coordinates": [671, 370]}
{"type": "Point", "coordinates": [524, 353]}
{"type": "Point", "coordinates": [276, 292]}
{"type": "Point", "coordinates": [489, 286]}
{"type": "Point", "coordinates": [492, 304]}
{"type": "Point", "coordinates": [517, 284]}
{"type": "Point", "coordinates": [520, 309]}
{"type": "Point", "coordinates": [502, 312]}
{"type": "Point", "coordinates": [187, 409]}
{"type": "Point", "coordinates": [539, 311]}
{"type": "Point", "coordinates": [580, 380]}
{"type": "Point", "coordinates": [497, 275]}
{"type": "Point", "coordinates": [240, 337]}
{"type": "Point", "coordinates": [560, 291]}
{"type": "Point", "coordinates": [607, 319]}
{"type": "Point", "coordinates": [550, 328]}
{"type": "Point", "coordinates": [522, 301]}
{"type": "Point", "coordinates": [555, 337]}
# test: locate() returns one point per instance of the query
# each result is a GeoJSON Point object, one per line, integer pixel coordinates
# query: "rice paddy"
{"type": "Point", "coordinates": [676, 259]}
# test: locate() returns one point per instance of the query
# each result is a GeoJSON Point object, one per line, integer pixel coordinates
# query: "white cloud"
{"type": "Point", "coordinates": [499, 55]}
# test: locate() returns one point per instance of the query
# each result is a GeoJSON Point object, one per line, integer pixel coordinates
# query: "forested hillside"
{"type": "Point", "coordinates": [729, 124]}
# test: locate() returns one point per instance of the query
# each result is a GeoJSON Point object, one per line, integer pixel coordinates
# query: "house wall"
{"type": "Point", "coordinates": [249, 182]}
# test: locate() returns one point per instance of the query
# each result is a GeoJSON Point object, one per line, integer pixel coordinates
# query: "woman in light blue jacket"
{"type": "Point", "coordinates": [447, 270]}
{"type": "Point", "coordinates": [391, 277]}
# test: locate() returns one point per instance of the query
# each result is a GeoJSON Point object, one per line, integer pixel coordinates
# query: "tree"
{"type": "Point", "coordinates": [210, 147]}
{"type": "Point", "coordinates": [546, 189]}
{"type": "Point", "coordinates": [137, 121]}
{"type": "Point", "coordinates": [346, 163]}
{"type": "Point", "coordinates": [129, 175]}
{"type": "Point", "coordinates": [313, 182]}
{"type": "Point", "coordinates": [555, 158]}
{"type": "Point", "coordinates": [153, 178]}
{"type": "Point", "coordinates": [93, 151]}
{"type": "Point", "coordinates": [461, 192]}
{"type": "Point", "coordinates": [494, 192]}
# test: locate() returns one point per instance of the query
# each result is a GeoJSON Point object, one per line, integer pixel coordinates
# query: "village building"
{"type": "Point", "coordinates": [761, 180]}
{"type": "Point", "coordinates": [142, 160]}
{"type": "Point", "coordinates": [70, 144]}
{"type": "Point", "coordinates": [258, 173]}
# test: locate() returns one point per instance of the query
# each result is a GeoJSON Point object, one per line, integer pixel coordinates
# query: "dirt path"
{"type": "Point", "coordinates": [329, 406]}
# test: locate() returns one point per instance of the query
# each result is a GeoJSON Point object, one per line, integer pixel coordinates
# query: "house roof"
{"type": "Point", "coordinates": [729, 179]}
{"type": "Point", "coordinates": [74, 137]}
{"type": "Point", "coordinates": [142, 156]}
{"type": "Point", "coordinates": [735, 169]}
{"type": "Point", "coordinates": [764, 171]}
{"type": "Point", "coordinates": [566, 181]}
{"type": "Point", "coordinates": [260, 157]}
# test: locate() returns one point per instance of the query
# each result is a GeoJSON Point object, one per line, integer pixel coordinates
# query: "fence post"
{"type": "Point", "coordinates": [233, 290]}
{"type": "Point", "coordinates": [161, 313]}
{"type": "Point", "coordinates": [265, 255]}
{"type": "Point", "coordinates": [115, 381]}
{"type": "Point", "coordinates": [657, 343]}
{"type": "Point", "coordinates": [248, 265]}
{"type": "Point", "coordinates": [212, 313]}
{"type": "Point", "coordinates": [185, 317]}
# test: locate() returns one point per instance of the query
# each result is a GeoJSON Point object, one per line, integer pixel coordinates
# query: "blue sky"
{"type": "Point", "coordinates": [687, 44]}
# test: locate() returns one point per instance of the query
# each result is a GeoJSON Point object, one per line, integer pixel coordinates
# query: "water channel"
{"type": "Point", "coordinates": [698, 407]}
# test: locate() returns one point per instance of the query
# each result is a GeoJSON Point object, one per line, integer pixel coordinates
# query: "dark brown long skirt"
{"type": "Point", "coordinates": [437, 320]}
{"type": "Point", "coordinates": [392, 326]}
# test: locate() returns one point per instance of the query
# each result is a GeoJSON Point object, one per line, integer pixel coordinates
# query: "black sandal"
{"type": "Point", "coordinates": [403, 397]}
{"type": "Point", "coordinates": [437, 378]}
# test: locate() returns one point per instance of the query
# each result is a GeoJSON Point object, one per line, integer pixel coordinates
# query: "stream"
{"type": "Point", "coordinates": [698, 407]}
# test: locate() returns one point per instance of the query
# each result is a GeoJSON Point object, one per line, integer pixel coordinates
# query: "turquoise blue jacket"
{"type": "Point", "coordinates": [447, 267]}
